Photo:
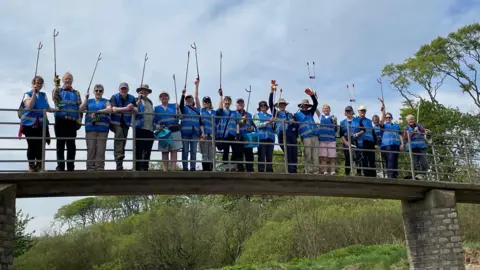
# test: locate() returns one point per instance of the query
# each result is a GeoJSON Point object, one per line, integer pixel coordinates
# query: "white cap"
{"type": "Point", "coordinates": [361, 108]}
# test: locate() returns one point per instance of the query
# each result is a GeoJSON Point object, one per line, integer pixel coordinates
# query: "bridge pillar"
{"type": "Point", "coordinates": [432, 232]}
{"type": "Point", "coordinates": [7, 225]}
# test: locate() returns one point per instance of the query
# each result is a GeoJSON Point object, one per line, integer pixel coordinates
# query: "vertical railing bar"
{"type": "Point", "coordinates": [214, 151]}
{"type": "Point", "coordinates": [412, 167]}
{"type": "Point", "coordinates": [44, 138]}
{"type": "Point", "coordinates": [285, 145]}
{"type": "Point", "coordinates": [134, 137]}
{"type": "Point", "coordinates": [350, 149]}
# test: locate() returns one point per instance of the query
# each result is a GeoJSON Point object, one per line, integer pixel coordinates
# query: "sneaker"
{"type": "Point", "coordinates": [31, 168]}
{"type": "Point", "coordinates": [325, 173]}
{"type": "Point", "coordinates": [332, 173]}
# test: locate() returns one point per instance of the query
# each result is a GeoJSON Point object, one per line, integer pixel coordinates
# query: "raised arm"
{"type": "Point", "coordinates": [220, 100]}
{"type": "Point", "coordinates": [195, 94]}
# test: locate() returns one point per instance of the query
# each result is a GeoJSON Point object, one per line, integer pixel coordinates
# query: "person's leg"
{"type": "Point", "coordinates": [100, 151]}
{"type": "Point", "coordinates": [316, 155]}
{"type": "Point", "coordinates": [148, 149]}
{"type": "Point", "coordinates": [346, 154]}
{"type": "Point", "coordinates": [165, 161]}
{"type": "Point", "coordinates": [308, 157]}
{"type": "Point", "coordinates": [394, 161]}
{"type": "Point", "coordinates": [416, 161]}
{"type": "Point", "coordinates": [203, 150]}
{"type": "Point", "coordinates": [173, 160]}
{"type": "Point", "coordinates": [248, 153]}
{"type": "Point", "coordinates": [261, 156]}
{"type": "Point", "coordinates": [372, 172]}
{"type": "Point", "coordinates": [71, 145]}
{"type": "Point", "coordinates": [91, 149]}
{"type": "Point", "coordinates": [323, 153]}
{"type": "Point", "coordinates": [37, 148]}
{"type": "Point", "coordinates": [193, 153]}
{"type": "Point", "coordinates": [292, 152]}
{"type": "Point", "coordinates": [139, 149]}
{"type": "Point", "coordinates": [423, 160]}
{"type": "Point", "coordinates": [185, 150]}
{"type": "Point", "coordinates": [269, 155]}
{"type": "Point", "coordinates": [118, 145]}
{"type": "Point", "coordinates": [332, 155]}
{"type": "Point", "coordinates": [210, 153]}
{"type": "Point", "coordinates": [59, 129]}
{"type": "Point", "coordinates": [29, 135]}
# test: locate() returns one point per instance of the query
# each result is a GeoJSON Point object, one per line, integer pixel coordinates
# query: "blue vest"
{"type": "Point", "coordinates": [307, 127]}
{"type": "Point", "coordinates": [68, 100]}
{"type": "Point", "coordinates": [222, 130]}
{"type": "Point", "coordinates": [190, 122]}
{"type": "Point", "coordinates": [417, 140]}
{"type": "Point", "coordinates": [354, 127]}
{"type": "Point", "coordinates": [102, 122]}
{"type": "Point", "coordinates": [208, 124]}
{"type": "Point", "coordinates": [127, 116]}
{"type": "Point", "coordinates": [279, 125]}
{"type": "Point", "coordinates": [165, 117]}
{"type": "Point", "coordinates": [266, 132]}
{"type": "Point", "coordinates": [139, 118]}
{"type": "Point", "coordinates": [390, 135]}
{"type": "Point", "coordinates": [327, 130]}
{"type": "Point", "coordinates": [243, 127]}
{"type": "Point", "coordinates": [368, 133]}
{"type": "Point", "coordinates": [378, 132]}
{"type": "Point", "coordinates": [29, 117]}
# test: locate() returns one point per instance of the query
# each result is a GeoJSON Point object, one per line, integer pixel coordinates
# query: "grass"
{"type": "Point", "coordinates": [376, 257]}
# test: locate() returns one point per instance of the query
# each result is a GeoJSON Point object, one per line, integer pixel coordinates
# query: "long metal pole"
{"type": "Point", "coordinates": [214, 149]}
{"type": "Point", "coordinates": [44, 138]}
{"type": "Point", "coordinates": [285, 145]}
{"type": "Point", "coordinates": [412, 167]}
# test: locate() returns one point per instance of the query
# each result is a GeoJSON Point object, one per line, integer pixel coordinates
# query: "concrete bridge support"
{"type": "Point", "coordinates": [432, 232]}
{"type": "Point", "coordinates": [7, 225]}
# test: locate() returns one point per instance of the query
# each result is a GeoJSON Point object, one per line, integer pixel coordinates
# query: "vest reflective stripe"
{"type": "Point", "coordinates": [390, 135]}
{"type": "Point", "coordinates": [127, 117]}
{"type": "Point", "coordinates": [232, 124]}
{"type": "Point", "coordinates": [102, 122]}
{"type": "Point", "coordinates": [29, 117]}
{"type": "Point", "coordinates": [306, 125]}
{"type": "Point", "coordinates": [266, 132]}
{"type": "Point", "coordinates": [354, 127]}
{"type": "Point", "coordinates": [367, 135]}
{"type": "Point", "coordinates": [248, 123]}
{"type": "Point", "coordinates": [207, 121]}
{"type": "Point", "coordinates": [378, 132]}
{"type": "Point", "coordinates": [190, 124]}
{"type": "Point", "coordinates": [165, 117]}
{"type": "Point", "coordinates": [282, 116]}
{"type": "Point", "coordinates": [222, 121]}
{"type": "Point", "coordinates": [139, 118]}
{"type": "Point", "coordinates": [327, 129]}
{"type": "Point", "coordinates": [417, 140]}
{"type": "Point", "coordinates": [68, 101]}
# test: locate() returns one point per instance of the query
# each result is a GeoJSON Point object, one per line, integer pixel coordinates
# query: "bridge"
{"type": "Point", "coordinates": [429, 206]}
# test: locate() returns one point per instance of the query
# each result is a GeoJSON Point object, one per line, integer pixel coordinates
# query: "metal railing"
{"type": "Point", "coordinates": [450, 158]}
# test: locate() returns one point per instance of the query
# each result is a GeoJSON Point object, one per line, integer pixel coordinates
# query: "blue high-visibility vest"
{"type": "Point", "coordinates": [190, 124]}
{"type": "Point", "coordinates": [266, 132]}
{"type": "Point", "coordinates": [30, 117]}
{"type": "Point", "coordinates": [307, 127]}
{"type": "Point", "coordinates": [378, 133]}
{"type": "Point", "coordinates": [368, 133]}
{"type": "Point", "coordinates": [222, 129]}
{"type": "Point", "coordinates": [102, 122]}
{"type": "Point", "coordinates": [279, 124]}
{"type": "Point", "coordinates": [390, 135]}
{"type": "Point", "coordinates": [417, 140]}
{"type": "Point", "coordinates": [248, 123]}
{"type": "Point", "coordinates": [327, 130]}
{"type": "Point", "coordinates": [353, 126]}
{"type": "Point", "coordinates": [165, 117]}
{"type": "Point", "coordinates": [127, 116]}
{"type": "Point", "coordinates": [68, 100]}
{"type": "Point", "coordinates": [208, 124]}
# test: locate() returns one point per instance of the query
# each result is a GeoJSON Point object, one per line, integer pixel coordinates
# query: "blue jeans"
{"type": "Point", "coordinates": [189, 146]}
{"type": "Point", "coordinates": [391, 160]}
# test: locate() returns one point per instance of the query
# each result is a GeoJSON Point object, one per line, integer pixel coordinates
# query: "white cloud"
{"type": "Point", "coordinates": [261, 40]}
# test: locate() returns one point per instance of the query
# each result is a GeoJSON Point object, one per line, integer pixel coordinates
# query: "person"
{"type": "Point", "coordinates": [348, 127]}
{"type": "Point", "coordinates": [327, 139]}
{"type": "Point", "coordinates": [391, 143]}
{"type": "Point", "coordinates": [307, 131]}
{"type": "Point", "coordinates": [143, 128]}
{"type": "Point", "coordinates": [285, 121]}
{"type": "Point", "coordinates": [67, 121]}
{"type": "Point", "coordinates": [207, 149]}
{"type": "Point", "coordinates": [378, 132]}
{"type": "Point", "coordinates": [226, 129]}
{"type": "Point", "coordinates": [264, 123]}
{"type": "Point", "coordinates": [97, 122]}
{"type": "Point", "coordinates": [166, 118]}
{"type": "Point", "coordinates": [32, 122]}
{"type": "Point", "coordinates": [414, 136]}
{"type": "Point", "coordinates": [123, 105]}
{"type": "Point", "coordinates": [191, 128]}
{"type": "Point", "coordinates": [366, 142]}
{"type": "Point", "coordinates": [244, 125]}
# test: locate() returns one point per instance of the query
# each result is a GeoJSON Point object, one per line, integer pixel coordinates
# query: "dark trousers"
{"type": "Point", "coordinates": [226, 149]}
{"type": "Point", "coordinates": [66, 129]}
{"type": "Point", "coordinates": [121, 133]}
{"type": "Point", "coordinates": [391, 160]}
{"type": "Point", "coordinates": [265, 154]}
{"type": "Point", "coordinates": [357, 159]}
{"type": "Point", "coordinates": [34, 142]}
{"type": "Point", "coordinates": [292, 151]}
{"type": "Point", "coordinates": [368, 159]}
{"type": "Point", "coordinates": [239, 154]}
{"type": "Point", "coordinates": [143, 148]}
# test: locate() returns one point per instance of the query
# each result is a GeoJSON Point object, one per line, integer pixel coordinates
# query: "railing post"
{"type": "Point", "coordinates": [285, 145]}
{"type": "Point", "coordinates": [44, 138]}
{"type": "Point", "coordinates": [214, 148]}
{"type": "Point", "coordinates": [412, 167]}
{"type": "Point", "coordinates": [467, 159]}
{"type": "Point", "coordinates": [350, 152]}
{"type": "Point", "coordinates": [134, 136]}
{"type": "Point", "coordinates": [434, 153]}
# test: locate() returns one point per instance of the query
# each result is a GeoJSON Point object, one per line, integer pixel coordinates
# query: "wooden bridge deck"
{"type": "Point", "coordinates": [54, 184]}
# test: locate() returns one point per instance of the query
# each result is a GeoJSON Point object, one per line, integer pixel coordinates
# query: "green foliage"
{"type": "Point", "coordinates": [23, 241]}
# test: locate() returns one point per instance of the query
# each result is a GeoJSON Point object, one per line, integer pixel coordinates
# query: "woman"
{"type": "Point", "coordinates": [31, 123]}
{"type": "Point", "coordinates": [327, 137]}
{"type": "Point", "coordinates": [350, 126]}
{"type": "Point", "coordinates": [414, 136]}
{"type": "Point", "coordinates": [97, 122]}
{"type": "Point", "coordinates": [263, 122]}
{"type": "Point", "coordinates": [207, 149]}
{"type": "Point", "coordinates": [226, 129]}
{"type": "Point", "coordinates": [166, 118]}
{"type": "Point", "coordinates": [392, 142]}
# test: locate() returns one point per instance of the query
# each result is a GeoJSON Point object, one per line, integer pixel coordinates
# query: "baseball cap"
{"type": "Point", "coordinates": [240, 100]}
{"type": "Point", "coordinates": [188, 96]}
{"type": "Point", "coordinates": [207, 99]}
{"type": "Point", "coordinates": [123, 85]}
{"type": "Point", "coordinates": [348, 108]}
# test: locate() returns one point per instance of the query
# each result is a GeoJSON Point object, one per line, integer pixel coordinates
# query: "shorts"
{"type": "Point", "coordinates": [328, 149]}
{"type": "Point", "coordinates": [175, 145]}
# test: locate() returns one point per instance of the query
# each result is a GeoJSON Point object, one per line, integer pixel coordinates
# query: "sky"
{"type": "Point", "coordinates": [350, 42]}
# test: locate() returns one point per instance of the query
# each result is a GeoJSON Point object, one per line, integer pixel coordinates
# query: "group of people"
{"type": "Point", "coordinates": [182, 126]}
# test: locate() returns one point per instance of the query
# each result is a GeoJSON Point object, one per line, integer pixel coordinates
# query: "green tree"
{"type": "Point", "coordinates": [23, 241]}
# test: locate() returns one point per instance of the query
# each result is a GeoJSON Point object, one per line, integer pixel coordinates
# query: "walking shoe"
{"type": "Point", "coordinates": [38, 167]}
{"type": "Point", "coordinates": [192, 169]}
{"type": "Point", "coordinates": [332, 173]}
{"type": "Point", "coordinates": [31, 168]}
{"type": "Point", "coordinates": [60, 169]}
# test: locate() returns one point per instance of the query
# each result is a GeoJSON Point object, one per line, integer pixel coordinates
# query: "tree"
{"type": "Point", "coordinates": [23, 241]}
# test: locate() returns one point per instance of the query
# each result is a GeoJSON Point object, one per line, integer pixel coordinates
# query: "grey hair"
{"type": "Point", "coordinates": [67, 73]}
{"type": "Point", "coordinates": [98, 85]}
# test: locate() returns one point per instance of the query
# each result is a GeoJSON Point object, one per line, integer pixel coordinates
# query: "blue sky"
{"type": "Point", "coordinates": [350, 41]}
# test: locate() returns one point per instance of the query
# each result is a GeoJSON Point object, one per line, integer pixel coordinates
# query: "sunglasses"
{"type": "Point", "coordinates": [98, 91]}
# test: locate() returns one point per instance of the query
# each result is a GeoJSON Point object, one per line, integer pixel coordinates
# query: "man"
{"type": "Point", "coordinates": [123, 104]}
{"type": "Point", "coordinates": [144, 128]}
{"type": "Point", "coordinates": [67, 120]}
{"type": "Point", "coordinates": [414, 137]}
{"type": "Point", "coordinates": [378, 130]}
{"type": "Point", "coordinates": [350, 126]}
{"type": "Point", "coordinates": [244, 125]}
{"type": "Point", "coordinates": [308, 134]}
{"type": "Point", "coordinates": [366, 141]}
